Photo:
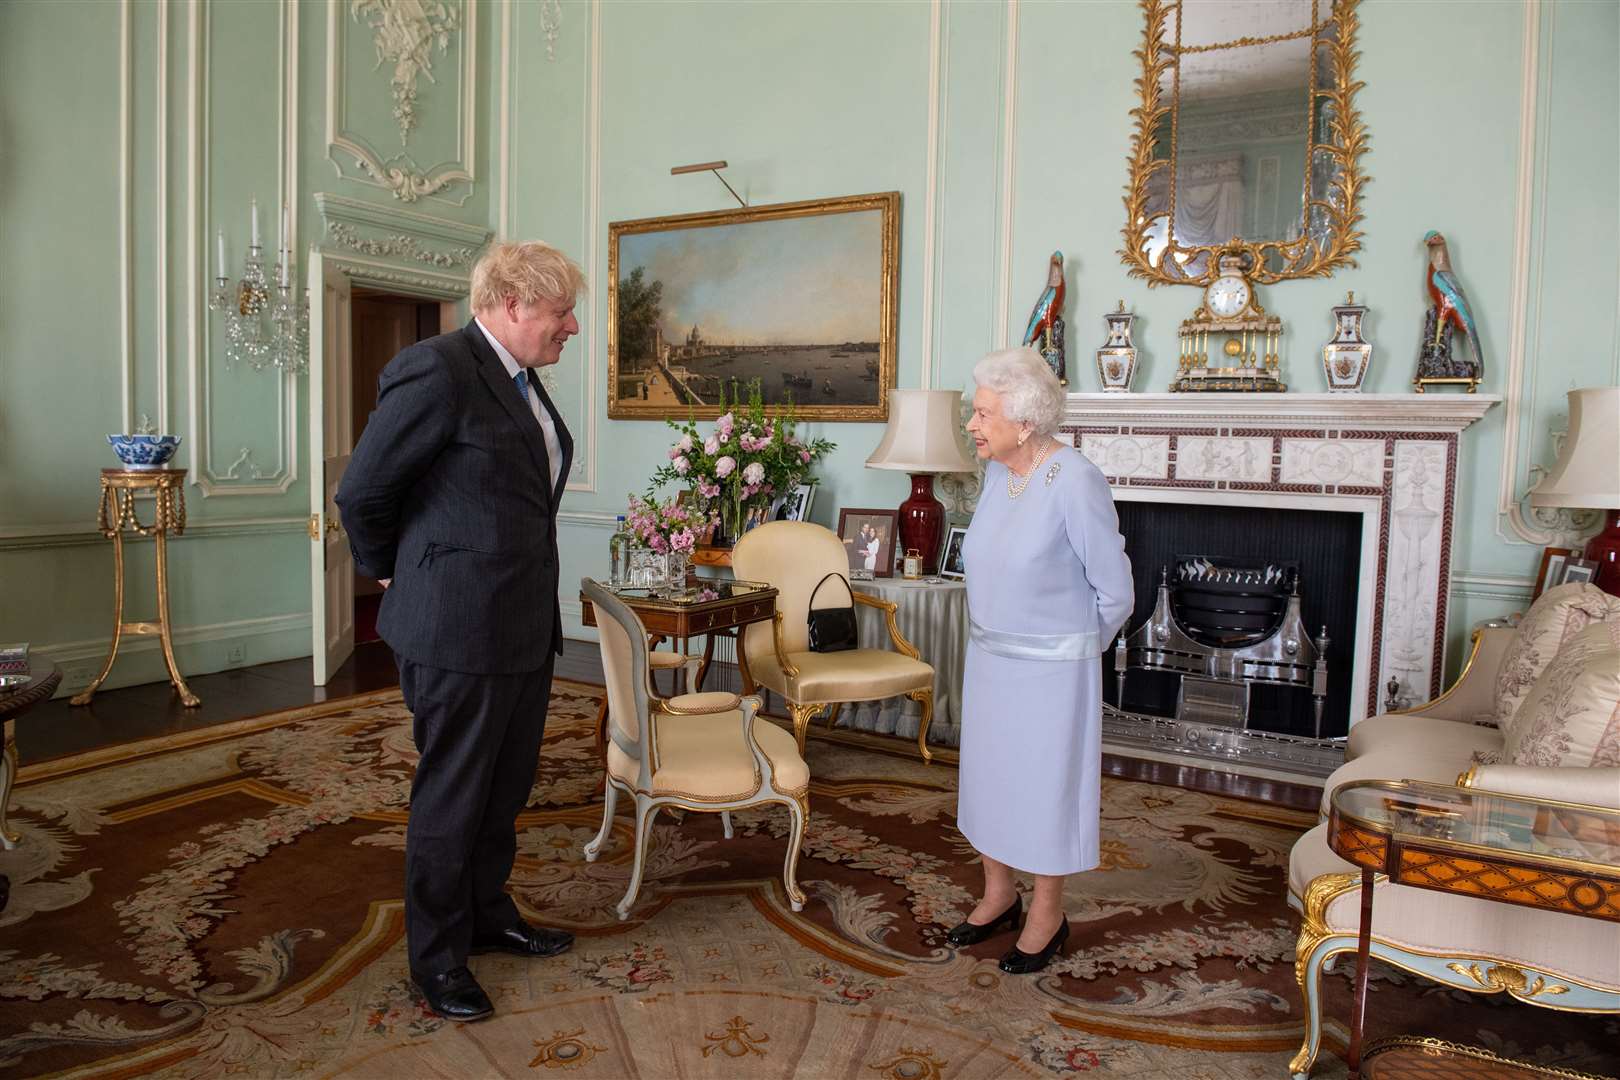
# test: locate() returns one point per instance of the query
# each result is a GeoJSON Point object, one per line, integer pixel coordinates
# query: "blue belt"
{"type": "Point", "coordinates": [1035, 646]}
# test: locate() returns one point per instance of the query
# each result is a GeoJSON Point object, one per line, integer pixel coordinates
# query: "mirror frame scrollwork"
{"type": "Point", "coordinates": [1299, 258]}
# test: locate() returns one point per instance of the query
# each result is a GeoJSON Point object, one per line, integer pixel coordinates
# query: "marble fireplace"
{"type": "Point", "coordinates": [1392, 459]}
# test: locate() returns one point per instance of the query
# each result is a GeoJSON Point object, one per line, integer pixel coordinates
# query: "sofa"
{"type": "Point", "coordinates": [1536, 713]}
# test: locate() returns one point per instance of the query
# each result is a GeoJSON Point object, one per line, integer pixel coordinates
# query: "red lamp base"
{"type": "Point", "coordinates": [1604, 549]}
{"type": "Point", "coordinates": [922, 522]}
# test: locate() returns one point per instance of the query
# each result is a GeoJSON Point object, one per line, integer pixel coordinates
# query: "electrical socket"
{"type": "Point", "coordinates": [237, 654]}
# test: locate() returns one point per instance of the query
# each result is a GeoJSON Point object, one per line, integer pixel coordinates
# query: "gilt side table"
{"type": "Point", "coordinates": [118, 513]}
{"type": "Point", "coordinates": [43, 678]}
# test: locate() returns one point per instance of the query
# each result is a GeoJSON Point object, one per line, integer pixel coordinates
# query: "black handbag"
{"type": "Point", "coordinates": [832, 629]}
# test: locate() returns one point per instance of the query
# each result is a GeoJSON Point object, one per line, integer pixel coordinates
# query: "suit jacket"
{"type": "Point", "coordinates": [449, 493]}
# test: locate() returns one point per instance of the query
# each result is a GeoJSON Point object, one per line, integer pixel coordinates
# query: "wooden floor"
{"type": "Point", "coordinates": [56, 728]}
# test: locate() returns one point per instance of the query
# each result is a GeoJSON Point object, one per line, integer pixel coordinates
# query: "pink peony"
{"type": "Point", "coordinates": [711, 445]}
{"type": "Point", "coordinates": [708, 489]}
{"type": "Point", "coordinates": [725, 466]}
{"type": "Point", "coordinates": [724, 425]}
{"type": "Point", "coordinates": [681, 465]}
{"type": "Point", "coordinates": [804, 456]}
{"type": "Point", "coordinates": [754, 473]}
{"type": "Point", "coordinates": [685, 445]}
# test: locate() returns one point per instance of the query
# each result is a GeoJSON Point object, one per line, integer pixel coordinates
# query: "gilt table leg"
{"type": "Point", "coordinates": [187, 698]}
{"type": "Point", "coordinates": [8, 774]}
{"type": "Point", "coordinates": [89, 692]}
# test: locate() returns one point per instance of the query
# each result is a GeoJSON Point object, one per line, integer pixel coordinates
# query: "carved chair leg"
{"type": "Point", "coordinates": [802, 715]}
{"type": "Point", "coordinates": [799, 812]}
{"type": "Point", "coordinates": [594, 848]}
{"type": "Point", "coordinates": [925, 698]}
{"type": "Point", "coordinates": [832, 715]}
{"type": "Point", "coordinates": [1308, 973]}
{"type": "Point", "coordinates": [725, 823]}
{"type": "Point", "coordinates": [646, 811]}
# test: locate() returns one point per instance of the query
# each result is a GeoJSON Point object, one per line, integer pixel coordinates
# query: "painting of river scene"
{"type": "Point", "coordinates": [798, 296]}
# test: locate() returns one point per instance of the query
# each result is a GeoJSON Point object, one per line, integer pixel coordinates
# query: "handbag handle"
{"type": "Point", "coordinates": [811, 606]}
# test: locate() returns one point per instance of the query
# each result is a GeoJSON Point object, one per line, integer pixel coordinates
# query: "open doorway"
{"type": "Point", "coordinates": [382, 324]}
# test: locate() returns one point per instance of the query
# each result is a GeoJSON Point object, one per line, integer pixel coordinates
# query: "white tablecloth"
{"type": "Point", "coordinates": [934, 618]}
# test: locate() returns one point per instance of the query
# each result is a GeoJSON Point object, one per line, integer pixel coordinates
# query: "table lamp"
{"type": "Point", "coordinates": [1587, 475]}
{"type": "Point", "coordinates": [923, 438]}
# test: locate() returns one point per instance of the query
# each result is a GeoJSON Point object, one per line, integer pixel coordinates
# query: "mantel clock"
{"type": "Point", "coordinates": [1243, 336]}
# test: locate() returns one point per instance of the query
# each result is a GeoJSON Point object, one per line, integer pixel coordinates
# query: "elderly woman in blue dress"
{"type": "Point", "coordinates": [1048, 586]}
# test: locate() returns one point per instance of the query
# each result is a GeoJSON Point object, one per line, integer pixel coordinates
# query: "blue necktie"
{"type": "Point", "coordinates": [522, 380]}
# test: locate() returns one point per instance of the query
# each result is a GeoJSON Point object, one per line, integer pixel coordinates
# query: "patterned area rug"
{"type": "Point", "coordinates": [227, 902]}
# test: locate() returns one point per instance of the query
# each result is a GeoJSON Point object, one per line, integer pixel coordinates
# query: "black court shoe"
{"type": "Point", "coordinates": [967, 933]}
{"type": "Point", "coordinates": [1019, 962]}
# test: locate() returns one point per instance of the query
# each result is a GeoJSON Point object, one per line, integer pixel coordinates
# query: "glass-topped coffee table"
{"type": "Point", "coordinates": [1509, 849]}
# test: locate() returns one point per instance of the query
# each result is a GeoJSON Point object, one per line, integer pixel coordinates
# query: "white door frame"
{"type": "Point", "coordinates": [329, 554]}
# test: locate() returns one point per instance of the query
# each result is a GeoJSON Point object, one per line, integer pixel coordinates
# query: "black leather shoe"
{"type": "Point", "coordinates": [454, 995]}
{"type": "Point", "coordinates": [968, 933]}
{"type": "Point", "coordinates": [525, 940]}
{"type": "Point", "coordinates": [1018, 962]}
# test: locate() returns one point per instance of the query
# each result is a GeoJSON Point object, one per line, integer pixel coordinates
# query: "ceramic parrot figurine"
{"type": "Point", "coordinates": [1450, 302]}
{"type": "Point", "coordinates": [1050, 305]}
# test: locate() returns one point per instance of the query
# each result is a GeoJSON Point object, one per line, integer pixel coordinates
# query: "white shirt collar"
{"type": "Point", "coordinates": [507, 360]}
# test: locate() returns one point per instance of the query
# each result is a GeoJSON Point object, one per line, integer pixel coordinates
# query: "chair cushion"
{"type": "Point", "coordinates": [661, 659]}
{"type": "Point", "coordinates": [704, 757]}
{"type": "Point", "coordinates": [1433, 750]}
{"type": "Point", "coordinates": [1572, 714]}
{"type": "Point", "coordinates": [1431, 735]}
{"type": "Point", "coordinates": [853, 675]}
{"type": "Point", "coordinates": [1558, 615]}
{"type": "Point", "coordinates": [1449, 924]}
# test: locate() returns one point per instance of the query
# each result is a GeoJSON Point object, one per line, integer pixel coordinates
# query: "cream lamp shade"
{"type": "Point", "coordinates": [923, 435]}
{"type": "Point", "coordinates": [1587, 475]}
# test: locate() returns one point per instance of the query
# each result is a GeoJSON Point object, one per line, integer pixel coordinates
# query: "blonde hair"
{"type": "Point", "coordinates": [529, 271]}
{"type": "Point", "coordinates": [1029, 389]}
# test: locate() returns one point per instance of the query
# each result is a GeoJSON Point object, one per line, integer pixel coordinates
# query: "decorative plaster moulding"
{"type": "Point", "coordinates": [1392, 458]}
{"type": "Point", "coordinates": [356, 158]}
{"type": "Point", "coordinates": [407, 237]}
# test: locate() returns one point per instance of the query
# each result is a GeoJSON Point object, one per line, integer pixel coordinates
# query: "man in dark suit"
{"type": "Point", "coordinates": [451, 501]}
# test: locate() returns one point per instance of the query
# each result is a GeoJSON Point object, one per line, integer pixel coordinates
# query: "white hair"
{"type": "Point", "coordinates": [1030, 391]}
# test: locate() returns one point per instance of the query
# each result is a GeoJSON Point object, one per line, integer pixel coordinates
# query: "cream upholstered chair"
{"type": "Point", "coordinates": [657, 660]}
{"type": "Point", "coordinates": [703, 752]}
{"type": "Point", "coordinates": [794, 556]}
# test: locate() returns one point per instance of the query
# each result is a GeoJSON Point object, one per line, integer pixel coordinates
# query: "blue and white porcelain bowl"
{"type": "Point", "coordinates": [144, 451]}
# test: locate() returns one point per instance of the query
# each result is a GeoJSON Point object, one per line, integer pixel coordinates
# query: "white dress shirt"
{"type": "Point", "coordinates": [541, 414]}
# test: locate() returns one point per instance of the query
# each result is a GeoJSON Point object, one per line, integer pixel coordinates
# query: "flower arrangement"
{"type": "Point", "coordinates": [744, 463]}
{"type": "Point", "coordinates": [665, 526]}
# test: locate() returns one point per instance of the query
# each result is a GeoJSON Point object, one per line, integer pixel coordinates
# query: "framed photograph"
{"type": "Point", "coordinates": [868, 537]}
{"type": "Point", "coordinates": [950, 560]}
{"type": "Point", "coordinates": [801, 296]}
{"type": "Point", "coordinates": [795, 505]}
{"type": "Point", "coordinates": [1552, 569]}
{"type": "Point", "coordinates": [1578, 570]}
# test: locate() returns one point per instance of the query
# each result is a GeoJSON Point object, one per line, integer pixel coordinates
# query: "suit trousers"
{"type": "Point", "coordinates": [478, 741]}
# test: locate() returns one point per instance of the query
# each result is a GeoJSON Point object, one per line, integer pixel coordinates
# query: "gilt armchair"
{"type": "Point", "coordinates": [706, 752]}
{"type": "Point", "coordinates": [794, 556]}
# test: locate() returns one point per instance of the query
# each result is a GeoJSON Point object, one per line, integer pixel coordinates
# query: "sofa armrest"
{"type": "Point", "coordinates": [1587, 786]}
{"type": "Point", "coordinates": [1473, 695]}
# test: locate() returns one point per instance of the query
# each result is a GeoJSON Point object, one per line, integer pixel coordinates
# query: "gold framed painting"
{"type": "Point", "coordinates": [801, 296]}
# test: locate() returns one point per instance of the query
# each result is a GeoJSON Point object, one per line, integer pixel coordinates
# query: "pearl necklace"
{"type": "Point", "coordinates": [1016, 488]}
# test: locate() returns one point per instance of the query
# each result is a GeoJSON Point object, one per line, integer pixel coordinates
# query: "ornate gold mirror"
{"type": "Point", "coordinates": [1247, 136]}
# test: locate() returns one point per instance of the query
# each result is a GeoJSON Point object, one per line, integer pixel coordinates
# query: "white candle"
{"type": "Point", "coordinates": [255, 205]}
{"type": "Point", "coordinates": [286, 229]}
{"type": "Point", "coordinates": [284, 268]}
{"type": "Point", "coordinates": [220, 251]}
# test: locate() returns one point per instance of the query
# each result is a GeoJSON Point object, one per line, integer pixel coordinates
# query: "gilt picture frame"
{"type": "Point", "coordinates": [801, 296]}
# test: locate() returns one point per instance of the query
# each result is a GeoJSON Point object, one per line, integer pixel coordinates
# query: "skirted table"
{"type": "Point", "coordinates": [934, 617]}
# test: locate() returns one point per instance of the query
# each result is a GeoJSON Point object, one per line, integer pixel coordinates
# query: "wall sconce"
{"type": "Point", "coordinates": [282, 340]}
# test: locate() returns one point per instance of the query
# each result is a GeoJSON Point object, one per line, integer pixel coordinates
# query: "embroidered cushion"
{"type": "Point", "coordinates": [1572, 714]}
{"type": "Point", "coordinates": [1558, 615]}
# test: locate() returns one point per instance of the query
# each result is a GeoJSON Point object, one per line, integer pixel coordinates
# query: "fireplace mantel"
{"type": "Point", "coordinates": [1390, 457]}
{"type": "Point", "coordinates": [1398, 412]}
